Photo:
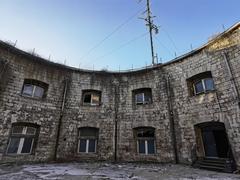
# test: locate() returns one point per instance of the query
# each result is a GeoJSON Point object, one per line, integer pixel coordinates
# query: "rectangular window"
{"type": "Point", "coordinates": [91, 97]}
{"type": "Point", "coordinates": [142, 96]}
{"type": "Point", "coordinates": [21, 140]}
{"type": "Point", "coordinates": [87, 140]}
{"type": "Point", "coordinates": [145, 140]}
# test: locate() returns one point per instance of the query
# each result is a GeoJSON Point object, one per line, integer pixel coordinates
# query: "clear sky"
{"type": "Point", "coordinates": [69, 30]}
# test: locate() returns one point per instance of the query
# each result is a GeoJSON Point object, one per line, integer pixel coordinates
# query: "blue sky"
{"type": "Point", "coordinates": [68, 29]}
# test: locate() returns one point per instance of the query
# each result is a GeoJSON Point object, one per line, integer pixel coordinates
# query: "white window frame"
{"type": "Point", "coordinates": [33, 91]}
{"type": "Point", "coordinates": [22, 139]}
{"type": "Point", "coordinates": [203, 84]}
{"type": "Point", "coordinates": [143, 97]}
{"type": "Point", "coordinates": [87, 145]}
{"type": "Point", "coordinates": [146, 145]}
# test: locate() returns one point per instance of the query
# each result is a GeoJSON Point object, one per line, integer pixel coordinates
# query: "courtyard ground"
{"type": "Point", "coordinates": [126, 171]}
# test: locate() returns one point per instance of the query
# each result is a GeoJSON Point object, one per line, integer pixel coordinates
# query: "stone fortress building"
{"type": "Point", "coordinates": [183, 111]}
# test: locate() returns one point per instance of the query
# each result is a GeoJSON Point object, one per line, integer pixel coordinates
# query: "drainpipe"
{"type": "Point", "coordinates": [234, 86]}
{"type": "Point", "coordinates": [171, 119]}
{"type": "Point", "coordinates": [60, 118]}
{"type": "Point", "coordinates": [116, 91]}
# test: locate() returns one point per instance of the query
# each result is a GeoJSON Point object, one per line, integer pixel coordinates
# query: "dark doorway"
{"type": "Point", "coordinates": [215, 140]}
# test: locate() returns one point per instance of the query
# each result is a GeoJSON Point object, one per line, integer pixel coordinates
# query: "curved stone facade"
{"type": "Point", "coordinates": [172, 112]}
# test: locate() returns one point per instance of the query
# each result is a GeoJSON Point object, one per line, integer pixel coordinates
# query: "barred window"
{"type": "Point", "coordinates": [22, 139]}
{"type": "Point", "coordinates": [87, 140]}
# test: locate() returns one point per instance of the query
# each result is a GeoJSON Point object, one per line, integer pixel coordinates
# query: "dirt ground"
{"type": "Point", "coordinates": [126, 171]}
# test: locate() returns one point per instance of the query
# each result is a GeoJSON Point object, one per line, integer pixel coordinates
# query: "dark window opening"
{"type": "Point", "coordinates": [22, 139]}
{"type": "Point", "coordinates": [200, 83]}
{"type": "Point", "coordinates": [34, 88]}
{"type": "Point", "coordinates": [91, 97]}
{"type": "Point", "coordinates": [142, 96]}
{"type": "Point", "coordinates": [87, 140]}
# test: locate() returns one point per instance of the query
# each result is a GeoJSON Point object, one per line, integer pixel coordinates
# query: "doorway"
{"type": "Point", "coordinates": [214, 140]}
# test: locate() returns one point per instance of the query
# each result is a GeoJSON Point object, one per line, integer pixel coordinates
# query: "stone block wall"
{"type": "Point", "coordinates": [117, 115]}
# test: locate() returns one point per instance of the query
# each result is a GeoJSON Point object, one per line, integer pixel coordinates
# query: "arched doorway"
{"type": "Point", "coordinates": [212, 140]}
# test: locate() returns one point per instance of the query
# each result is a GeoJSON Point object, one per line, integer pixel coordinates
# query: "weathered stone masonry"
{"type": "Point", "coordinates": [173, 112]}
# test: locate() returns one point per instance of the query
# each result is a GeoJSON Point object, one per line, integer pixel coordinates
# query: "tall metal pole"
{"type": "Point", "coordinates": [150, 25]}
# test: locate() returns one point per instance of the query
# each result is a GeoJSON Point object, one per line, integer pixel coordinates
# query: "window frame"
{"type": "Point", "coordinates": [34, 85]}
{"type": "Point", "coordinates": [91, 93]}
{"type": "Point", "coordinates": [200, 78]}
{"type": "Point", "coordinates": [87, 139]}
{"type": "Point", "coordinates": [146, 140]}
{"type": "Point", "coordinates": [203, 82]}
{"type": "Point", "coordinates": [146, 94]}
{"type": "Point", "coordinates": [22, 138]}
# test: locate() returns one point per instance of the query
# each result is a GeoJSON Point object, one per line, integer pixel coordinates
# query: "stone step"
{"type": "Point", "coordinates": [213, 168]}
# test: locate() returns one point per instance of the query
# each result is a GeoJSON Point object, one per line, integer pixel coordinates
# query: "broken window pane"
{"type": "Point", "coordinates": [13, 145]}
{"type": "Point", "coordinates": [95, 99]}
{"type": "Point", "coordinates": [82, 145]}
{"type": "Point", "coordinates": [27, 145]}
{"type": "Point", "coordinates": [39, 91]}
{"type": "Point", "coordinates": [27, 90]}
{"type": "Point", "coordinates": [91, 145]}
{"type": "Point", "coordinates": [87, 99]}
{"type": "Point", "coordinates": [141, 146]}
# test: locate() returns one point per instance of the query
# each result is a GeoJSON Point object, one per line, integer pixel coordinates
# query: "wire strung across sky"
{"type": "Point", "coordinates": [113, 32]}
{"type": "Point", "coordinates": [121, 46]}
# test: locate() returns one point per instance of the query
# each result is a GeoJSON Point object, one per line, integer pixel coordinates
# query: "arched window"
{"type": "Point", "coordinates": [145, 137]}
{"type": "Point", "coordinates": [34, 88]}
{"type": "Point", "coordinates": [23, 138]}
{"type": "Point", "coordinates": [87, 142]}
{"type": "Point", "coordinates": [201, 83]}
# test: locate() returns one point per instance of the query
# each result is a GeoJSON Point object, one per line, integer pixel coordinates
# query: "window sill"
{"type": "Point", "coordinates": [32, 98]}
{"type": "Point", "coordinates": [146, 155]}
{"type": "Point", "coordinates": [19, 155]}
{"type": "Point", "coordinates": [204, 93]}
{"type": "Point", "coordinates": [87, 154]}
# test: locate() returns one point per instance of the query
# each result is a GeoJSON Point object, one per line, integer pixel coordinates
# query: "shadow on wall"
{"type": "Point", "coordinates": [4, 71]}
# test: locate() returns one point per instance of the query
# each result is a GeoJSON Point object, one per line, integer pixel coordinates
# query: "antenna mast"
{"type": "Point", "coordinates": [151, 27]}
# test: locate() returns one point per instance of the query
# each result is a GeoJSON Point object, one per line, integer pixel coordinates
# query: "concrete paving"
{"type": "Point", "coordinates": [97, 171]}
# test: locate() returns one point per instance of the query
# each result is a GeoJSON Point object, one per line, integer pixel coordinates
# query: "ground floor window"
{"type": "Point", "coordinates": [87, 140]}
{"type": "Point", "coordinates": [145, 140]}
{"type": "Point", "coordinates": [22, 139]}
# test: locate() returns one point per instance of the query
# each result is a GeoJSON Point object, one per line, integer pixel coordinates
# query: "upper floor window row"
{"type": "Point", "coordinates": [201, 83]}
{"type": "Point", "coordinates": [34, 88]}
